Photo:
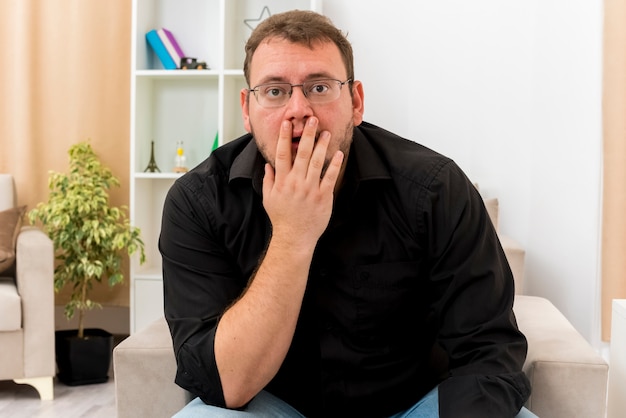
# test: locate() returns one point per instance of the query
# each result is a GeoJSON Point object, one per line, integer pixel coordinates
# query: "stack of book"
{"type": "Point", "coordinates": [164, 45]}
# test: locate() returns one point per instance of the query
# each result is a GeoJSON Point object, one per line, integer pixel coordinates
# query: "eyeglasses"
{"type": "Point", "coordinates": [316, 91]}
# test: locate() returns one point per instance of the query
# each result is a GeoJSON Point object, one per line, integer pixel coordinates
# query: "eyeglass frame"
{"type": "Point", "coordinates": [255, 89]}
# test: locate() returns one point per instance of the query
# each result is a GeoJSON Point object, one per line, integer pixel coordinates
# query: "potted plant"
{"type": "Point", "coordinates": [89, 238]}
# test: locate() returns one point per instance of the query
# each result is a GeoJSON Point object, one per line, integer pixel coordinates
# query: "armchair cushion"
{"type": "Point", "coordinates": [10, 305]}
{"type": "Point", "coordinates": [10, 224]}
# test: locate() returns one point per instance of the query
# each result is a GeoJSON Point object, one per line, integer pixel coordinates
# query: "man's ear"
{"type": "Point", "coordinates": [357, 102]}
{"type": "Point", "coordinates": [244, 97]}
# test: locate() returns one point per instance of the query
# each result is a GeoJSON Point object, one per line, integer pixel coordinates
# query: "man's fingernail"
{"type": "Point", "coordinates": [312, 121]}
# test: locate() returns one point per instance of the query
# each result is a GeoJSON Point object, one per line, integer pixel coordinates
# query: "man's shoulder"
{"type": "Point", "coordinates": [403, 157]}
{"type": "Point", "coordinates": [219, 162]}
{"type": "Point", "coordinates": [214, 171]}
{"type": "Point", "coordinates": [222, 158]}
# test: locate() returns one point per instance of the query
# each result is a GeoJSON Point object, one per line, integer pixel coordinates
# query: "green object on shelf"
{"type": "Point", "coordinates": [216, 142]}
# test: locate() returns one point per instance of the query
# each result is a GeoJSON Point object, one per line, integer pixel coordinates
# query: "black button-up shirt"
{"type": "Point", "coordinates": [409, 286]}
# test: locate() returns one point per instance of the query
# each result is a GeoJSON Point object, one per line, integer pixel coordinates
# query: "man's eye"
{"type": "Point", "coordinates": [273, 92]}
{"type": "Point", "coordinates": [319, 88]}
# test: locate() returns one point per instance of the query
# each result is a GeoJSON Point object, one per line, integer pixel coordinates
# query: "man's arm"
{"type": "Point", "coordinates": [254, 334]}
{"type": "Point", "coordinates": [475, 291]}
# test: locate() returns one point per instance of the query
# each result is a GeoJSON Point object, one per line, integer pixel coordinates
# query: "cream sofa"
{"type": "Point", "coordinates": [27, 306]}
{"type": "Point", "coordinates": [569, 379]}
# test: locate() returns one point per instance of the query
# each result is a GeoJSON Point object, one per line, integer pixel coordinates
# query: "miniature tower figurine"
{"type": "Point", "coordinates": [152, 165]}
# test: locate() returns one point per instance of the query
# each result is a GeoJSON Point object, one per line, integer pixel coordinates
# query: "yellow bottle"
{"type": "Point", "coordinates": [180, 165]}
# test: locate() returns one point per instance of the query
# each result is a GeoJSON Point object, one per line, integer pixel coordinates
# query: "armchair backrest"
{"type": "Point", "coordinates": [7, 191]}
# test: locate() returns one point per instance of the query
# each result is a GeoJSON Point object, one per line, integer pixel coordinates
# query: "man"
{"type": "Point", "coordinates": [322, 266]}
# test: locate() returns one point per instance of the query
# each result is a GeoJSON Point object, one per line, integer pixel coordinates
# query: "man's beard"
{"type": "Point", "coordinates": [344, 146]}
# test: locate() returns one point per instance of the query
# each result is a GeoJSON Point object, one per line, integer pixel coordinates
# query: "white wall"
{"type": "Point", "coordinates": [512, 91]}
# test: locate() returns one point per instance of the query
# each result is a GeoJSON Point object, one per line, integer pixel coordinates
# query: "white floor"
{"type": "Point", "coordinates": [89, 401]}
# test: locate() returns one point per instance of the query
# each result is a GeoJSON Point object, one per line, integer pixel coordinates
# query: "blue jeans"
{"type": "Point", "coordinates": [266, 405]}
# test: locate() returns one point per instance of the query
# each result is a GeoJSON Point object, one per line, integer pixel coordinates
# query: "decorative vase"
{"type": "Point", "coordinates": [83, 361]}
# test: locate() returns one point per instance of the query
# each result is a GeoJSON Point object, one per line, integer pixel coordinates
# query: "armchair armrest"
{"type": "Point", "coordinates": [144, 368]}
{"type": "Point", "coordinates": [34, 276]}
{"type": "Point", "coordinates": [568, 377]}
{"type": "Point", "coordinates": [515, 255]}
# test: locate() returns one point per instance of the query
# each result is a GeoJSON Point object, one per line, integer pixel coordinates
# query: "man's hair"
{"type": "Point", "coordinates": [300, 27]}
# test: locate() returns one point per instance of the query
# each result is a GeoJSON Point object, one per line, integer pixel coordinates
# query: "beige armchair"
{"type": "Point", "coordinates": [27, 306]}
{"type": "Point", "coordinates": [568, 377]}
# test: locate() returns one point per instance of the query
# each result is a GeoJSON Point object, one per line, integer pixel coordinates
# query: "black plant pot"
{"type": "Point", "coordinates": [83, 361]}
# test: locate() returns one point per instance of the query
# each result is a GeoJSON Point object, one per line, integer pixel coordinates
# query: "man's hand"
{"type": "Point", "coordinates": [255, 333]}
{"type": "Point", "coordinates": [298, 195]}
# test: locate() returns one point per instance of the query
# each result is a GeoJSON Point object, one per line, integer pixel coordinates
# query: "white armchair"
{"type": "Point", "coordinates": [27, 305]}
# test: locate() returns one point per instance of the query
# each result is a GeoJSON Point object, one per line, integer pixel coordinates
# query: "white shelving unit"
{"type": "Point", "coordinates": [182, 105]}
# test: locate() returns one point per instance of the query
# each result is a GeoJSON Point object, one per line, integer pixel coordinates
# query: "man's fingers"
{"type": "Point", "coordinates": [305, 147]}
{"type": "Point", "coordinates": [268, 180]}
{"type": "Point", "coordinates": [309, 164]}
{"type": "Point", "coordinates": [332, 172]}
{"type": "Point", "coordinates": [283, 149]}
{"type": "Point", "coordinates": [318, 157]}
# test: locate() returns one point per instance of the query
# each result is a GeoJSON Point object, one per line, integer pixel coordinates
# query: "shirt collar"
{"type": "Point", "coordinates": [369, 162]}
{"type": "Point", "coordinates": [249, 164]}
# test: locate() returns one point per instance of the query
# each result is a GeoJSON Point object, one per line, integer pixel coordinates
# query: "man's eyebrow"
{"type": "Point", "coordinates": [272, 80]}
{"type": "Point", "coordinates": [309, 77]}
{"type": "Point", "coordinates": [318, 76]}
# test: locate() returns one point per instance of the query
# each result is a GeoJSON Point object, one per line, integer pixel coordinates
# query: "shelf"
{"type": "Point", "coordinates": [233, 72]}
{"type": "Point", "coordinates": [194, 23]}
{"type": "Point", "coordinates": [149, 273]}
{"type": "Point", "coordinates": [174, 74]}
{"type": "Point", "coordinates": [175, 108]}
{"type": "Point", "coordinates": [157, 176]}
{"type": "Point", "coordinates": [192, 106]}
{"type": "Point", "coordinates": [167, 74]}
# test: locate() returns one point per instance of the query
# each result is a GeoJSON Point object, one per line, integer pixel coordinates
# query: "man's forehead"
{"type": "Point", "coordinates": [271, 52]}
{"type": "Point", "coordinates": [276, 41]}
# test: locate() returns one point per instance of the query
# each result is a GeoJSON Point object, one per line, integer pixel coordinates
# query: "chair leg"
{"type": "Point", "coordinates": [43, 385]}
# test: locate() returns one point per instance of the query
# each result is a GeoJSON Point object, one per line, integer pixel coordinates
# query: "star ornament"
{"type": "Point", "coordinates": [253, 23]}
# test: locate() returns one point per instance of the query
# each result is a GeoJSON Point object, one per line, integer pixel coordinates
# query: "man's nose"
{"type": "Point", "coordinates": [298, 101]}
